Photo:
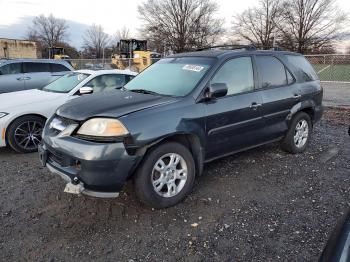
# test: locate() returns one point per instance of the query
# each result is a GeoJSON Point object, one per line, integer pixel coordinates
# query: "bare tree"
{"type": "Point", "coordinates": [258, 25]}
{"type": "Point", "coordinates": [123, 33]}
{"type": "Point", "coordinates": [48, 31]}
{"type": "Point", "coordinates": [180, 25]}
{"type": "Point", "coordinates": [311, 24]}
{"type": "Point", "coordinates": [95, 40]}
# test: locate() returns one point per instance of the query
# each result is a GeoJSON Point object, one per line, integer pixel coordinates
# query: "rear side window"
{"type": "Point", "coordinates": [9, 69]}
{"type": "Point", "coordinates": [273, 73]}
{"type": "Point", "coordinates": [58, 68]}
{"type": "Point", "coordinates": [237, 74]}
{"type": "Point", "coordinates": [36, 67]}
{"type": "Point", "coordinates": [304, 68]}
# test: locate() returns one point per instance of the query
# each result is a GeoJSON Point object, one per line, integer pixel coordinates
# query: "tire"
{"type": "Point", "coordinates": [288, 143]}
{"type": "Point", "coordinates": [27, 129]}
{"type": "Point", "coordinates": [148, 174]}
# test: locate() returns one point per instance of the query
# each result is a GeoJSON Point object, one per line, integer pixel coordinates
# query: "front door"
{"type": "Point", "coordinates": [234, 121]}
{"type": "Point", "coordinates": [11, 78]}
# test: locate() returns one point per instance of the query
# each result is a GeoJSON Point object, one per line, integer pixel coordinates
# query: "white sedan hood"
{"type": "Point", "coordinates": [20, 98]}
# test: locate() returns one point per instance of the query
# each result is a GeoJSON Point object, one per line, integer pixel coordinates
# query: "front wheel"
{"type": "Point", "coordinates": [166, 175]}
{"type": "Point", "coordinates": [24, 134]}
{"type": "Point", "coordinates": [299, 134]}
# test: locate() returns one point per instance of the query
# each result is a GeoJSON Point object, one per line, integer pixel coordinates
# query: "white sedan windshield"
{"type": "Point", "coordinates": [65, 83]}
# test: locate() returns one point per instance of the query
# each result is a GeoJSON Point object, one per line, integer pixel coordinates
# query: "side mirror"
{"type": "Point", "coordinates": [216, 90]}
{"type": "Point", "coordinates": [86, 90]}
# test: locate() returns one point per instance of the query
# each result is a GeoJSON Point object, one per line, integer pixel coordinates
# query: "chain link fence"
{"type": "Point", "coordinates": [334, 73]}
{"type": "Point", "coordinates": [331, 68]}
{"type": "Point", "coordinates": [100, 64]}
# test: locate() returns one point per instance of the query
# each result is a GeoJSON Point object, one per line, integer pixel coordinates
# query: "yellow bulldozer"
{"type": "Point", "coordinates": [56, 52]}
{"type": "Point", "coordinates": [133, 54]}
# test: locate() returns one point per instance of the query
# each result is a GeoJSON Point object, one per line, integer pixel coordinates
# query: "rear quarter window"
{"type": "Point", "coordinates": [303, 67]}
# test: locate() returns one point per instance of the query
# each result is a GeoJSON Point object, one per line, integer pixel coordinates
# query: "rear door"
{"type": "Point", "coordinates": [234, 121]}
{"type": "Point", "coordinates": [11, 77]}
{"type": "Point", "coordinates": [36, 74]}
{"type": "Point", "coordinates": [279, 92]}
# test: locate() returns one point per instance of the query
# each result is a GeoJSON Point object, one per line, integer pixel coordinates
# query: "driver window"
{"type": "Point", "coordinates": [113, 81]}
{"type": "Point", "coordinates": [10, 69]}
{"type": "Point", "coordinates": [106, 82]}
{"type": "Point", "coordinates": [237, 74]}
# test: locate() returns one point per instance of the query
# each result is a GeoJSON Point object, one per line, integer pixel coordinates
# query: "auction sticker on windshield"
{"type": "Point", "coordinates": [195, 68]}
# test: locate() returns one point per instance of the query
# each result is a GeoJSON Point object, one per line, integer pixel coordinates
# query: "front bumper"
{"type": "Point", "coordinates": [96, 169]}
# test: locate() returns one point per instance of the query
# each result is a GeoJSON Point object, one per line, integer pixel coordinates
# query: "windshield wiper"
{"type": "Point", "coordinates": [144, 91]}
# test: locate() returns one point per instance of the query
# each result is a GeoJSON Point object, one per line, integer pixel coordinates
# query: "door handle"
{"type": "Point", "coordinates": [255, 105]}
{"type": "Point", "coordinates": [24, 78]}
{"type": "Point", "coordinates": [297, 96]}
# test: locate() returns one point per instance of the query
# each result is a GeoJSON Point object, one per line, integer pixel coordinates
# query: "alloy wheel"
{"type": "Point", "coordinates": [301, 133]}
{"type": "Point", "coordinates": [28, 135]}
{"type": "Point", "coordinates": [169, 175]}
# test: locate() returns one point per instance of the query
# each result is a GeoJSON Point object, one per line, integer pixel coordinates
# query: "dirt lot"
{"type": "Point", "coordinates": [262, 204]}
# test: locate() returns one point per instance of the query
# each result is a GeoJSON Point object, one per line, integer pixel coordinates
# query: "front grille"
{"type": "Point", "coordinates": [59, 158]}
{"type": "Point", "coordinates": [55, 156]}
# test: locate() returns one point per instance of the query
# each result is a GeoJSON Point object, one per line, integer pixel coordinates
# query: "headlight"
{"type": "Point", "coordinates": [136, 55]}
{"type": "Point", "coordinates": [2, 114]}
{"type": "Point", "coordinates": [103, 127]}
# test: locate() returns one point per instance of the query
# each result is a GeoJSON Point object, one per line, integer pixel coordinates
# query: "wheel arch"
{"type": "Point", "coordinates": [190, 141]}
{"type": "Point", "coordinates": [307, 107]}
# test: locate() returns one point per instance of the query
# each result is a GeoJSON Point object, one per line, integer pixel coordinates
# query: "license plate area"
{"type": "Point", "coordinates": [74, 189]}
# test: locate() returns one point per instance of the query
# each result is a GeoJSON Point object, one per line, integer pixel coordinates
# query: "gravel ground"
{"type": "Point", "coordinates": [262, 204]}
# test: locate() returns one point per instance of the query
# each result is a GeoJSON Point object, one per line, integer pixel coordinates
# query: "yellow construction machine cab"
{"type": "Point", "coordinates": [57, 53]}
{"type": "Point", "coordinates": [132, 54]}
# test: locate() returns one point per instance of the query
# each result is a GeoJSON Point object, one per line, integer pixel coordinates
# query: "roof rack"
{"type": "Point", "coordinates": [228, 47]}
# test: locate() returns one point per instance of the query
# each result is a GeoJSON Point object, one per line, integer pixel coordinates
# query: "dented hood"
{"type": "Point", "coordinates": [110, 104]}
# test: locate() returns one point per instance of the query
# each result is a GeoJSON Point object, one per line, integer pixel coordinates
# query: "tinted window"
{"type": "Point", "coordinates": [237, 74]}
{"type": "Point", "coordinates": [36, 67]}
{"type": "Point", "coordinates": [58, 68]}
{"type": "Point", "coordinates": [106, 82]}
{"type": "Point", "coordinates": [172, 76]}
{"type": "Point", "coordinates": [13, 68]}
{"type": "Point", "coordinates": [303, 67]}
{"type": "Point", "coordinates": [272, 71]}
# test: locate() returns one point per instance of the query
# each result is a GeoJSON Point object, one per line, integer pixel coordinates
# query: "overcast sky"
{"type": "Point", "coordinates": [15, 15]}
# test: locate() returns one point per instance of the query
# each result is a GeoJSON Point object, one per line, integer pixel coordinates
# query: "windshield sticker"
{"type": "Point", "coordinates": [194, 68]}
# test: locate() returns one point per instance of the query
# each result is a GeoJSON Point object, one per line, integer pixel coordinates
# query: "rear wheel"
{"type": "Point", "coordinates": [24, 134]}
{"type": "Point", "coordinates": [166, 175]}
{"type": "Point", "coordinates": [299, 134]}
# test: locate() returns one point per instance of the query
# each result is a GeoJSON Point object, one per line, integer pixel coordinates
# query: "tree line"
{"type": "Point", "coordinates": [304, 26]}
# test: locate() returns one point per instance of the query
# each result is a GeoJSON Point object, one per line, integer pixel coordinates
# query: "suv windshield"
{"type": "Point", "coordinates": [65, 83]}
{"type": "Point", "coordinates": [171, 76]}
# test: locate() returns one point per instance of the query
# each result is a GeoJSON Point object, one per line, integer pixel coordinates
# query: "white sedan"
{"type": "Point", "coordinates": [23, 114]}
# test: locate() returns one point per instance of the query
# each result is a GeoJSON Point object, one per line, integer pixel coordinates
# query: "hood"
{"type": "Point", "coordinates": [22, 98]}
{"type": "Point", "coordinates": [110, 104]}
